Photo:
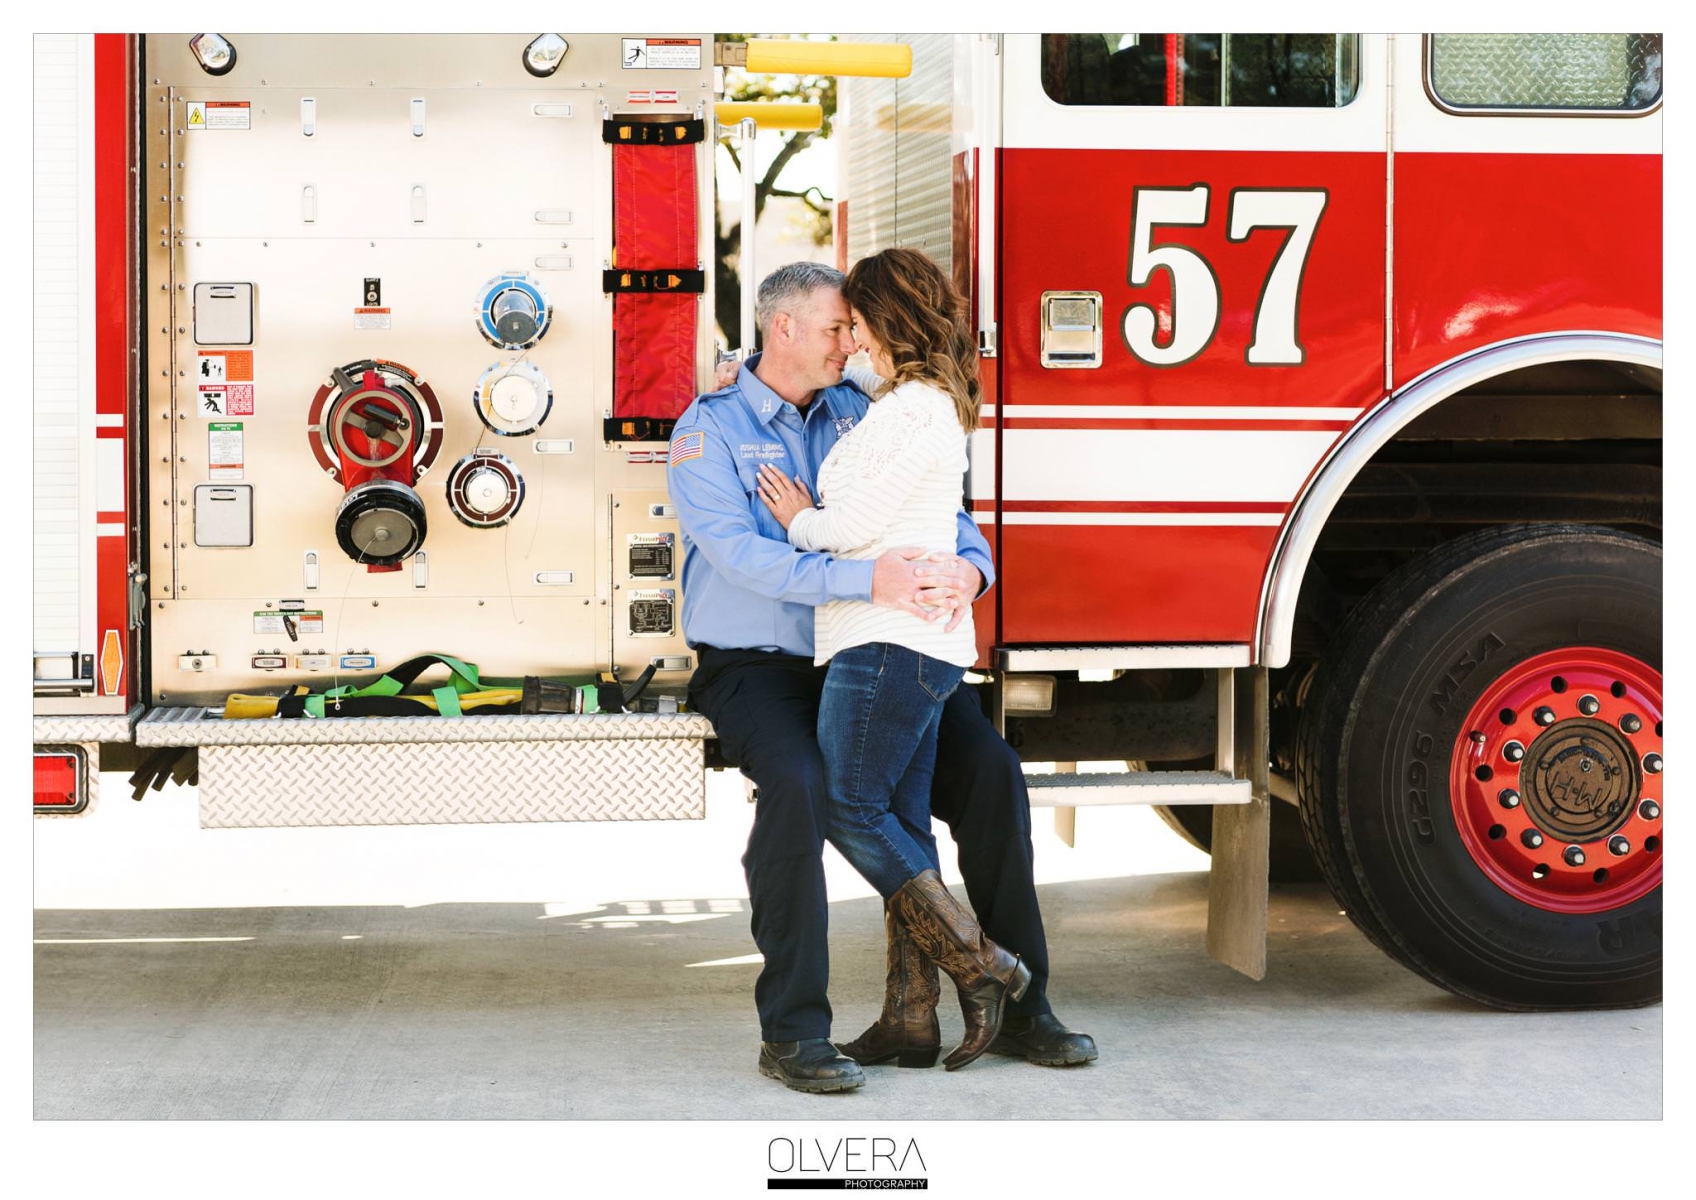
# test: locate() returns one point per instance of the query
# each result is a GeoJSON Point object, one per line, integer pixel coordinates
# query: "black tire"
{"type": "Point", "coordinates": [1396, 865]}
{"type": "Point", "coordinates": [1291, 860]}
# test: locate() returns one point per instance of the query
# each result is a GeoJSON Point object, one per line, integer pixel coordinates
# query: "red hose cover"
{"type": "Point", "coordinates": [656, 223]}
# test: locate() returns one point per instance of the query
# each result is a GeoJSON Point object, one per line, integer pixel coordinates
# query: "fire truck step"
{"type": "Point", "coordinates": [1136, 787]}
{"type": "Point", "coordinates": [195, 726]}
{"type": "Point", "coordinates": [1124, 658]}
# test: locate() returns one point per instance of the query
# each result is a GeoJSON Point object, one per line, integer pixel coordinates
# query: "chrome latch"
{"type": "Point", "coordinates": [1071, 329]}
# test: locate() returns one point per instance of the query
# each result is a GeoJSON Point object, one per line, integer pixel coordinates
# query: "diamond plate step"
{"type": "Point", "coordinates": [190, 726]}
{"type": "Point", "coordinates": [451, 783]}
{"type": "Point", "coordinates": [1137, 787]}
{"type": "Point", "coordinates": [106, 727]}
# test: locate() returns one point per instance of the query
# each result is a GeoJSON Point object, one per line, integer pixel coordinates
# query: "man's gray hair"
{"type": "Point", "coordinates": [790, 283]}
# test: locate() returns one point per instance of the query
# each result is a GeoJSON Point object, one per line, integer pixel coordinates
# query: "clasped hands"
{"type": "Point", "coordinates": [927, 584]}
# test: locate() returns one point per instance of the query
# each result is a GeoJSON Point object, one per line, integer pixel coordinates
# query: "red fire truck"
{"type": "Point", "coordinates": [1321, 462]}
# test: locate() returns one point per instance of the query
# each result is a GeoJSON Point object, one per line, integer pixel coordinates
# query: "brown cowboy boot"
{"type": "Point", "coordinates": [985, 975]}
{"type": "Point", "coordinates": [906, 1030]}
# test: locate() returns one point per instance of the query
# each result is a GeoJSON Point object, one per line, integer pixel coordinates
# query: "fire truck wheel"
{"type": "Point", "coordinates": [1291, 860]}
{"type": "Point", "coordinates": [1480, 767]}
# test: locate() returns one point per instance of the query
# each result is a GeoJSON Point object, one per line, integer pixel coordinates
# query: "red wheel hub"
{"type": "Point", "coordinates": [1556, 780]}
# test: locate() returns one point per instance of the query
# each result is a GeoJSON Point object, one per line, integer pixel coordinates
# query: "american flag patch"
{"type": "Point", "coordinates": [687, 447]}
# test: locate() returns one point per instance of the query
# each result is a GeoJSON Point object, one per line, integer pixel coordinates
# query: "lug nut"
{"type": "Point", "coordinates": [1513, 751]}
{"type": "Point", "coordinates": [1544, 716]}
{"type": "Point", "coordinates": [1574, 856]}
{"type": "Point", "coordinates": [1589, 705]}
{"type": "Point", "coordinates": [1509, 798]}
{"type": "Point", "coordinates": [1652, 763]}
{"type": "Point", "coordinates": [1649, 810]}
{"type": "Point", "coordinates": [1631, 723]}
{"type": "Point", "coordinates": [1531, 838]}
{"type": "Point", "coordinates": [1619, 845]}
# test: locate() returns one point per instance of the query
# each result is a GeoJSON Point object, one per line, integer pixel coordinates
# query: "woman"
{"type": "Point", "coordinates": [894, 480]}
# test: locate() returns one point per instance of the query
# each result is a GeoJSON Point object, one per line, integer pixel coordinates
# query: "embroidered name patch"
{"type": "Point", "coordinates": [690, 445]}
{"type": "Point", "coordinates": [760, 451]}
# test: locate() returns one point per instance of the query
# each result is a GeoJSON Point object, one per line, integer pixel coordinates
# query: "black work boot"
{"type": "Point", "coordinates": [1043, 1040]}
{"type": "Point", "coordinates": [810, 1065]}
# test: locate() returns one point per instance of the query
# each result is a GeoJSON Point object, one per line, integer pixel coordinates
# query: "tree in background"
{"type": "Point", "coordinates": [740, 85]}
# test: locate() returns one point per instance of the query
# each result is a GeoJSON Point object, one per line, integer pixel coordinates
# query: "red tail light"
{"type": "Point", "coordinates": [59, 780]}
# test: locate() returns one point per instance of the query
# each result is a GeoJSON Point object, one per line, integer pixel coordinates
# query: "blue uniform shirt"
{"type": "Point", "coordinates": [744, 586]}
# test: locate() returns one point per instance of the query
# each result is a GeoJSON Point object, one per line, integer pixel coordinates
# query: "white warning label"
{"type": "Point", "coordinates": [303, 620]}
{"type": "Point", "coordinates": [220, 114]}
{"type": "Point", "coordinates": [662, 54]}
{"type": "Point", "coordinates": [224, 450]}
{"type": "Point", "coordinates": [372, 318]}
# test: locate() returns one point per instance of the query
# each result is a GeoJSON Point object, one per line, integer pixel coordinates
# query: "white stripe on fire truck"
{"type": "Point", "coordinates": [1223, 465]}
{"type": "Point", "coordinates": [109, 529]}
{"type": "Point", "coordinates": [1135, 518]}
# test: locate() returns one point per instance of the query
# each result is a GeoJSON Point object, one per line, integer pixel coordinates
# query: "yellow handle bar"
{"type": "Point", "coordinates": [770, 116]}
{"type": "Point", "coordinates": [883, 60]}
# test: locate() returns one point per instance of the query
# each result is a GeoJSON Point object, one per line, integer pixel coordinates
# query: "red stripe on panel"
{"type": "Point", "coordinates": [1133, 583]}
{"type": "Point", "coordinates": [112, 255]}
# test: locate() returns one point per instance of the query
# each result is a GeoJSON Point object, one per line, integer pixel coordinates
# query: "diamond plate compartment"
{"type": "Point", "coordinates": [451, 783]}
{"type": "Point", "coordinates": [102, 727]}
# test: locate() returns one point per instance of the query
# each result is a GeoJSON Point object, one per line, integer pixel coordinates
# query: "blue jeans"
{"type": "Point", "coordinates": [878, 720]}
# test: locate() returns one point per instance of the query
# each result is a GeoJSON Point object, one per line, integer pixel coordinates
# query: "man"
{"type": "Point", "coordinates": [748, 612]}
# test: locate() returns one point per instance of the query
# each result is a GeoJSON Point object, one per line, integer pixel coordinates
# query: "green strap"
{"type": "Point", "coordinates": [314, 706]}
{"type": "Point", "coordinates": [463, 677]}
{"type": "Point", "coordinates": [447, 701]}
{"type": "Point", "coordinates": [464, 674]}
{"type": "Point", "coordinates": [591, 698]}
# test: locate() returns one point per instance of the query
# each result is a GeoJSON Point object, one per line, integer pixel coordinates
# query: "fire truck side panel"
{"type": "Point", "coordinates": [1492, 246]}
{"type": "Point", "coordinates": [369, 189]}
{"type": "Point", "coordinates": [1139, 501]}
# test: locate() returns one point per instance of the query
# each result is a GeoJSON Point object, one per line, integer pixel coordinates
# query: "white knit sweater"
{"type": "Point", "coordinates": [893, 480]}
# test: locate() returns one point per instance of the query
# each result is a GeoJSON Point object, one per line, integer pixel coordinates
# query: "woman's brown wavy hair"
{"type": "Point", "coordinates": [922, 322]}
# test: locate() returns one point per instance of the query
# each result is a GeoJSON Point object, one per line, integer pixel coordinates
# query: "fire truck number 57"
{"type": "Point", "coordinates": [1195, 285]}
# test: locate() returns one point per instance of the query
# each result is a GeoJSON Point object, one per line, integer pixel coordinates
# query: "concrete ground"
{"type": "Point", "coordinates": [642, 1010]}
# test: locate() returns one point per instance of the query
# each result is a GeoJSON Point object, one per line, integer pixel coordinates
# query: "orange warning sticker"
{"type": "Point", "coordinates": [111, 662]}
{"type": "Point", "coordinates": [225, 366]}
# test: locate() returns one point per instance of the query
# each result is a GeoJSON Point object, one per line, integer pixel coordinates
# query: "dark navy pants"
{"type": "Point", "coordinates": [764, 707]}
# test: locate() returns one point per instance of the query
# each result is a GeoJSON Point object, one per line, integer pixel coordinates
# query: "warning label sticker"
{"type": "Point", "coordinates": [225, 384]}
{"type": "Point", "coordinates": [219, 366]}
{"type": "Point", "coordinates": [224, 450]}
{"type": "Point", "coordinates": [372, 318]}
{"type": "Point", "coordinates": [220, 114]}
{"type": "Point", "coordinates": [662, 54]}
{"type": "Point", "coordinates": [305, 621]}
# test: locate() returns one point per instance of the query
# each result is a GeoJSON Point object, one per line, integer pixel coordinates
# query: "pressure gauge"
{"type": "Point", "coordinates": [484, 489]}
{"type": "Point", "coordinates": [512, 399]}
{"type": "Point", "coordinates": [512, 311]}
